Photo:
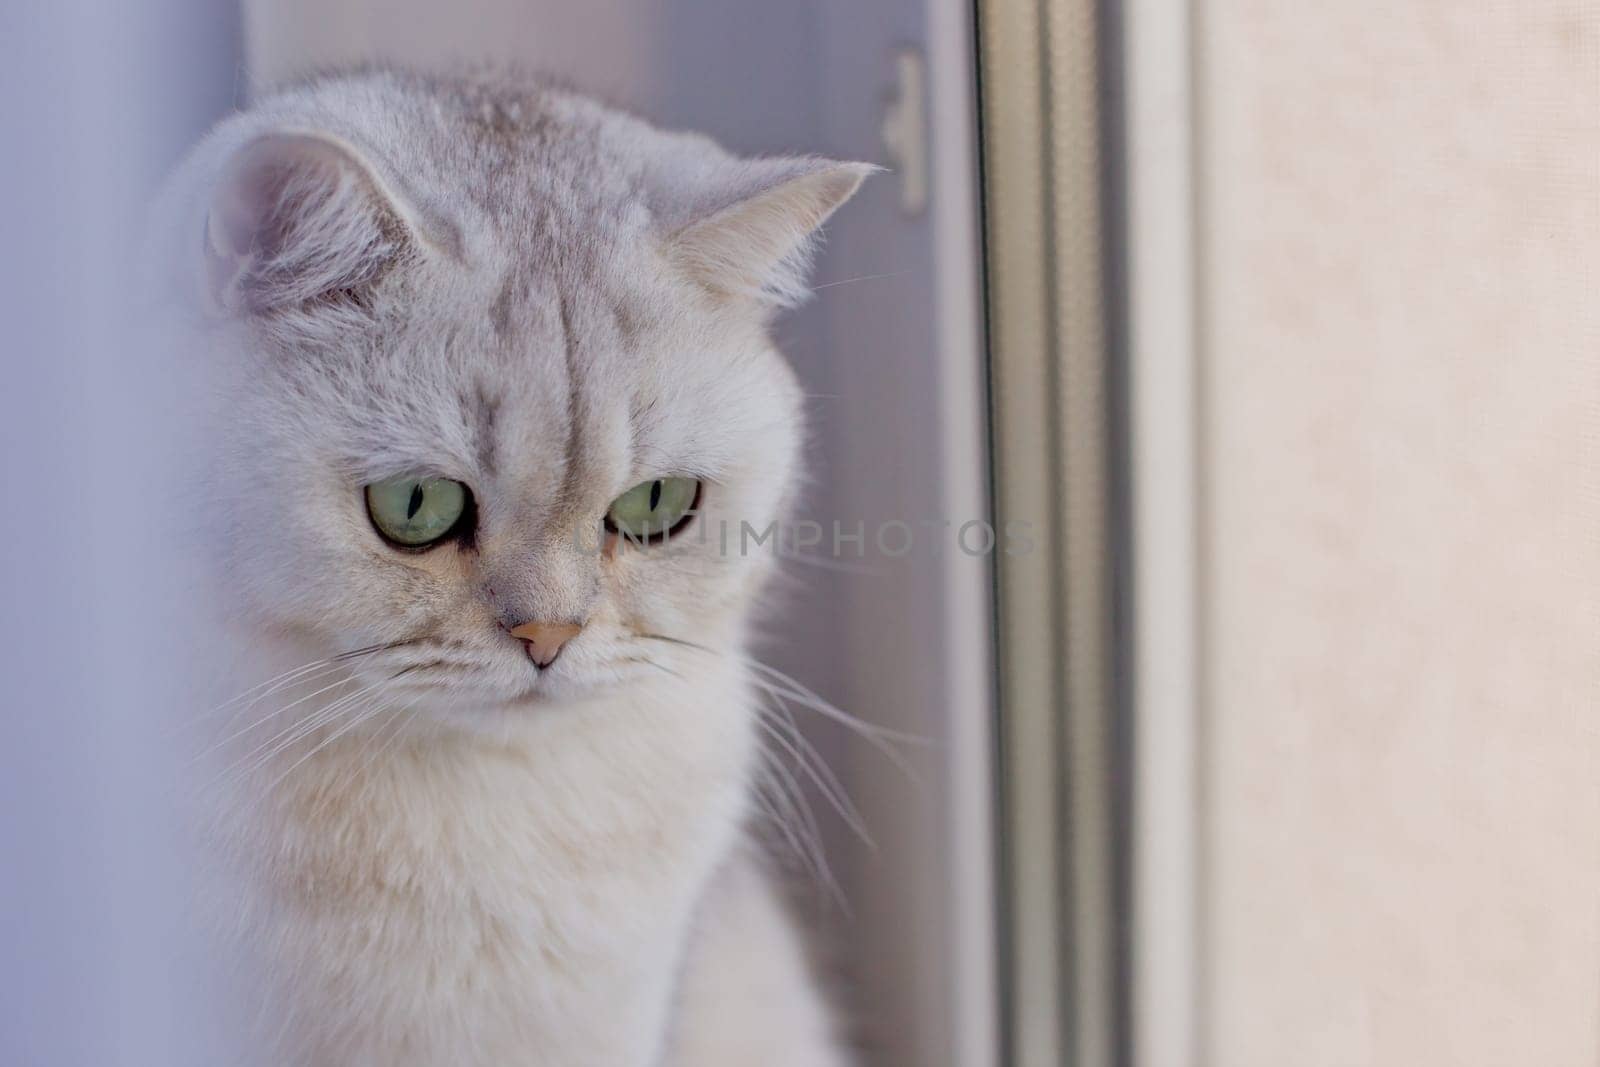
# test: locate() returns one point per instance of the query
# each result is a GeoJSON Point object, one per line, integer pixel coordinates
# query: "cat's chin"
{"type": "Point", "coordinates": [491, 701]}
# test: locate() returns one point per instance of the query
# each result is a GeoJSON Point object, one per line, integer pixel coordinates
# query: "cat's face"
{"type": "Point", "coordinates": [457, 383]}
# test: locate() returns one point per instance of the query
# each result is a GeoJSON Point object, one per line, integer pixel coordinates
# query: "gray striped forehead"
{"type": "Point", "coordinates": [535, 345]}
{"type": "Point", "coordinates": [536, 375]}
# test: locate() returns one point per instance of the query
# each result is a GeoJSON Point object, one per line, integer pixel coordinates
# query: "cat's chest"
{"type": "Point", "coordinates": [419, 975]}
{"type": "Point", "coordinates": [501, 851]}
{"type": "Point", "coordinates": [573, 840]}
{"type": "Point", "coordinates": [499, 899]}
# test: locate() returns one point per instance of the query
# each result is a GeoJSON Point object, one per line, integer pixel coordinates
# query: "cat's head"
{"type": "Point", "coordinates": [471, 338]}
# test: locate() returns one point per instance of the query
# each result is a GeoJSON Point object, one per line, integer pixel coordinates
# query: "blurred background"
{"type": "Point", "coordinates": [1278, 322]}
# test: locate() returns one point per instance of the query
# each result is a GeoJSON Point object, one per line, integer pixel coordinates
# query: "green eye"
{"type": "Point", "coordinates": [414, 512]}
{"type": "Point", "coordinates": [653, 510]}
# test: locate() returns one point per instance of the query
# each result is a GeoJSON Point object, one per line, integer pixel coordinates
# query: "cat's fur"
{"type": "Point", "coordinates": [441, 855]}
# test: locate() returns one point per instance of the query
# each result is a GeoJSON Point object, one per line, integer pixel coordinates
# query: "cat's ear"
{"type": "Point", "coordinates": [295, 216]}
{"type": "Point", "coordinates": [754, 237]}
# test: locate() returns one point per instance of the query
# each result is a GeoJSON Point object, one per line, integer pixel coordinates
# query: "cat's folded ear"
{"type": "Point", "coordinates": [295, 216]}
{"type": "Point", "coordinates": [753, 236]}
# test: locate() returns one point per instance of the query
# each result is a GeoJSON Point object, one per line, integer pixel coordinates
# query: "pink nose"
{"type": "Point", "coordinates": [545, 640]}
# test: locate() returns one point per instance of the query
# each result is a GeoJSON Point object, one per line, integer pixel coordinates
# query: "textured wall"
{"type": "Point", "coordinates": [1400, 272]}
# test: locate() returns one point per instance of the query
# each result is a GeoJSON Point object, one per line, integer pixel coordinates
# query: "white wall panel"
{"type": "Point", "coordinates": [1400, 354]}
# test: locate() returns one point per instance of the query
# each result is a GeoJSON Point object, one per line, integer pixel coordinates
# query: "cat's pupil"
{"type": "Point", "coordinates": [655, 494]}
{"type": "Point", "coordinates": [416, 501]}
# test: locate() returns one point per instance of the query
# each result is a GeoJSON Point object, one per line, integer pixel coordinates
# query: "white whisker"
{"type": "Point", "coordinates": [269, 717]}
{"type": "Point", "coordinates": [827, 784]}
{"type": "Point", "coordinates": [809, 698]}
{"type": "Point", "coordinates": [395, 725]}
{"type": "Point", "coordinates": [355, 721]}
{"type": "Point", "coordinates": [837, 566]}
{"type": "Point", "coordinates": [860, 278]}
{"type": "Point", "coordinates": [294, 674]}
{"type": "Point", "coordinates": [269, 750]}
{"type": "Point", "coordinates": [807, 838]}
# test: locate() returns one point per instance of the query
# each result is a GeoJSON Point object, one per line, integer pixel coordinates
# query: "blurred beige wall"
{"type": "Point", "coordinates": [1400, 532]}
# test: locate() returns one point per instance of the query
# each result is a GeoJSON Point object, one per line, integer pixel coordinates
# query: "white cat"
{"type": "Point", "coordinates": [490, 370]}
